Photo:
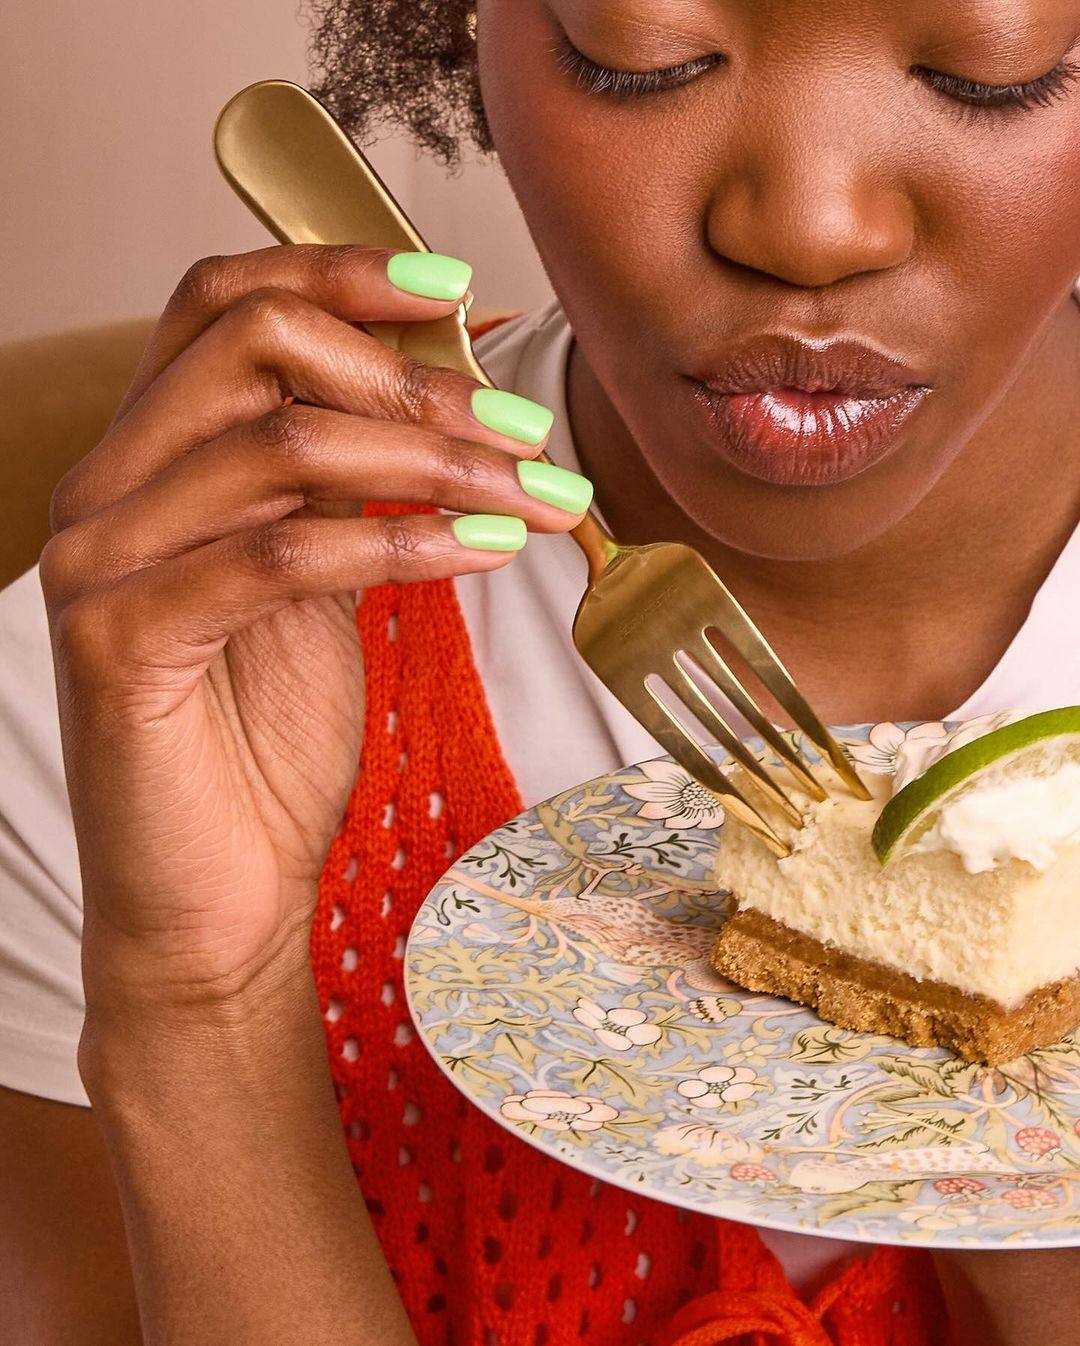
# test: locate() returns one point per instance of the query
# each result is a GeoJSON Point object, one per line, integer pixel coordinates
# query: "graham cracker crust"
{"type": "Point", "coordinates": [761, 954]}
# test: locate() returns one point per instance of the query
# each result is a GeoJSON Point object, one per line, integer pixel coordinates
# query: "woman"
{"type": "Point", "coordinates": [814, 269]}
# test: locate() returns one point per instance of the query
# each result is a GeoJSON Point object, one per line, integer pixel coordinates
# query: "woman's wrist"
{"type": "Point", "coordinates": [138, 1045]}
{"type": "Point", "coordinates": [243, 1215]}
{"type": "Point", "coordinates": [152, 969]}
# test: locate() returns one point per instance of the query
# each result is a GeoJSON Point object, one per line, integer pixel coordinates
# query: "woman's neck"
{"type": "Point", "coordinates": [911, 624]}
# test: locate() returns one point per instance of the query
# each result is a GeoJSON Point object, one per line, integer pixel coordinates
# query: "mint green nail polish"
{"type": "Point", "coordinates": [511, 415]}
{"type": "Point", "coordinates": [490, 532]}
{"type": "Point", "coordinates": [556, 486]}
{"type": "Point", "coordinates": [432, 275]}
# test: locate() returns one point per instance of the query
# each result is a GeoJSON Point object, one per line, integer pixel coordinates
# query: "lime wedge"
{"type": "Point", "coordinates": [1033, 746]}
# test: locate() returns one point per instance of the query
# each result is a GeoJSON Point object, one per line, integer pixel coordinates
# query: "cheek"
{"type": "Point", "coordinates": [617, 200]}
{"type": "Point", "coordinates": [1003, 229]}
{"type": "Point", "coordinates": [617, 195]}
{"type": "Point", "coordinates": [609, 217]}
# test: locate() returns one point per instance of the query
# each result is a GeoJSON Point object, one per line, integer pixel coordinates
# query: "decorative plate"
{"type": "Point", "coordinates": [559, 974]}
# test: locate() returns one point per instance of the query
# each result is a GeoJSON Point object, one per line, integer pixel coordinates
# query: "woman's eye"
{"type": "Point", "coordinates": [1034, 93]}
{"type": "Point", "coordinates": [595, 78]}
{"type": "Point", "coordinates": [603, 79]}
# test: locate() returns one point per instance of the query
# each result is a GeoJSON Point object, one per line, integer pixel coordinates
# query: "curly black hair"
{"type": "Point", "coordinates": [406, 62]}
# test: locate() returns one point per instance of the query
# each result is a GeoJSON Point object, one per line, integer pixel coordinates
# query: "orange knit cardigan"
{"type": "Point", "coordinates": [491, 1242]}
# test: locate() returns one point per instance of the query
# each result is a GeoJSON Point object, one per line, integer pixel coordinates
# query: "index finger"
{"type": "Point", "coordinates": [352, 282]}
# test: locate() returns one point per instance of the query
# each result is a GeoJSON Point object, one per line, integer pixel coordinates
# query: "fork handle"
{"type": "Point", "coordinates": [295, 168]}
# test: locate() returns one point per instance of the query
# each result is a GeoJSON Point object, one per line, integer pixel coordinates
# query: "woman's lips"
{"type": "Point", "coordinates": [801, 413]}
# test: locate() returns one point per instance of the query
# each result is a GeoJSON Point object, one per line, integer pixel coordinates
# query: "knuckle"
{"type": "Point", "coordinates": [207, 284]}
{"type": "Point", "coordinates": [341, 267]}
{"type": "Point", "coordinates": [65, 505]}
{"type": "Point", "coordinates": [58, 566]}
{"type": "Point", "coordinates": [84, 636]}
{"type": "Point", "coordinates": [72, 497]}
{"type": "Point", "coordinates": [456, 464]}
{"type": "Point", "coordinates": [400, 542]}
{"type": "Point", "coordinates": [279, 549]}
{"type": "Point", "coordinates": [293, 434]}
{"type": "Point", "coordinates": [412, 390]}
{"type": "Point", "coordinates": [266, 310]}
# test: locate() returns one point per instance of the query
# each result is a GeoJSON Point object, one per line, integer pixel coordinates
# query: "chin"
{"type": "Point", "coordinates": [799, 523]}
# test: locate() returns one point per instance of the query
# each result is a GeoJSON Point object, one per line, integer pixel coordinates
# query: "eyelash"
{"type": "Point", "coordinates": [594, 78]}
{"type": "Point", "coordinates": [1035, 93]}
{"type": "Point", "coordinates": [601, 79]}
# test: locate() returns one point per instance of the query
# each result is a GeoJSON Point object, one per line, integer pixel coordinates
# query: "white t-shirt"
{"type": "Point", "coordinates": [556, 722]}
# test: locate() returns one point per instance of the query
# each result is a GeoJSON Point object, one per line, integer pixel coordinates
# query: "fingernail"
{"type": "Point", "coordinates": [432, 275]}
{"type": "Point", "coordinates": [556, 486]}
{"type": "Point", "coordinates": [490, 532]}
{"type": "Point", "coordinates": [509, 414]}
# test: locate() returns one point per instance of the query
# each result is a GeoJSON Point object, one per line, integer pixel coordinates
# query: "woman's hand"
{"type": "Point", "coordinates": [201, 591]}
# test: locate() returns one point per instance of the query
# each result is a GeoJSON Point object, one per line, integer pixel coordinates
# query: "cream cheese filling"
{"type": "Point", "coordinates": [1001, 932]}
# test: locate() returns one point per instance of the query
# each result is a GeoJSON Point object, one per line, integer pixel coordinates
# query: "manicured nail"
{"type": "Point", "coordinates": [511, 415]}
{"type": "Point", "coordinates": [431, 275]}
{"type": "Point", "coordinates": [490, 532]}
{"type": "Point", "coordinates": [556, 486]}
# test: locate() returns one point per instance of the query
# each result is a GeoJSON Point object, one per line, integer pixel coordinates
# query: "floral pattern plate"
{"type": "Point", "coordinates": [559, 974]}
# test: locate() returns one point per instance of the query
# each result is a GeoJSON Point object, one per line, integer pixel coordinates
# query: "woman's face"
{"type": "Point", "coordinates": [806, 266]}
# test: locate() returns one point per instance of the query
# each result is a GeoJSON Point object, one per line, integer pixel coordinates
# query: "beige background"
{"type": "Point", "coordinates": [109, 190]}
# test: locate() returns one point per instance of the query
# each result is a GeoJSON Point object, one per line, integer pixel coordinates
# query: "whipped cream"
{"type": "Point", "coordinates": [1000, 817]}
{"type": "Point", "coordinates": [1005, 818]}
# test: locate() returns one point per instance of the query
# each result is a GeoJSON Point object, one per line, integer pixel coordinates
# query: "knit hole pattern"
{"type": "Point", "coordinates": [490, 1242]}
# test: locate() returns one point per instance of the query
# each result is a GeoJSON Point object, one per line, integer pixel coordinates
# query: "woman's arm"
{"type": "Point", "coordinates": [244, 1223]}
{"type": "Point", "coordinates": [1012, 1298]}
{"type": "Point", "coordinates": [244, 1220]}
{"type": "Point", "coordinates": [201, 589]}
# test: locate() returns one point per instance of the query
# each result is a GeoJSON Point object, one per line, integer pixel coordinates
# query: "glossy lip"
{"type": "Point", "coordinates": [800, 412]}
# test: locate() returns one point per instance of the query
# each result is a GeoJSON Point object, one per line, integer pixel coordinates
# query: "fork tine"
{"type": "Point", "coordinates": [737, 627]}
{"type": "Point", "coordinates": [695, 700]}
{"type": "Point", "coordinates": [673, 737]}
{"type": "Point", "coordinates": [716, 667]}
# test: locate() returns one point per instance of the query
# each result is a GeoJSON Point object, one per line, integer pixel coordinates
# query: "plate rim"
{"type": "Point", "coordinates": [932, 1241]}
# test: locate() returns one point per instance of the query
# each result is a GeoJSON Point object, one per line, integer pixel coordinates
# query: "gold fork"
{"type": "Point", "coordinates": [647, 610]}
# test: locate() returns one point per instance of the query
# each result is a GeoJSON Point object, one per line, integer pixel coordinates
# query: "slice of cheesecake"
{"type": "Point", "coordinates": [984, 963]}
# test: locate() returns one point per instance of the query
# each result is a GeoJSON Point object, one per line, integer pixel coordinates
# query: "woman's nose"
{"type": "Point", "coordinates": [803, 211]}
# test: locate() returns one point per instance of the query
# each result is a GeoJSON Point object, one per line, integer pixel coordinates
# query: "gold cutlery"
{"type": "Point", "coordinates": [649, 621]}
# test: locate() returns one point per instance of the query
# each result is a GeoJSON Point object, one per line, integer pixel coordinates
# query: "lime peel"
{"type": "Point", "coordinates": [913, 810]}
